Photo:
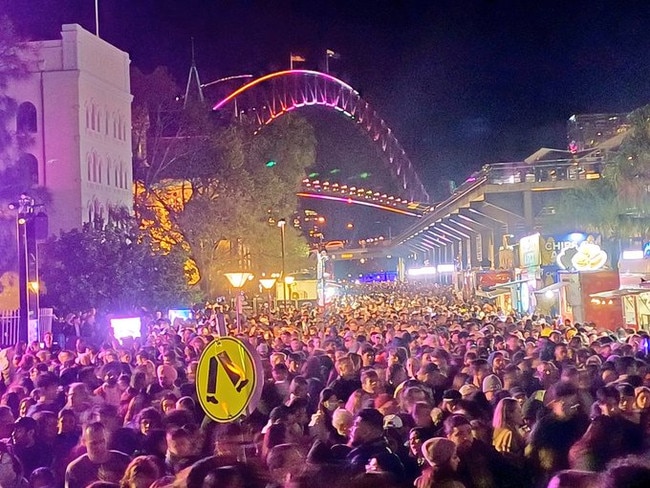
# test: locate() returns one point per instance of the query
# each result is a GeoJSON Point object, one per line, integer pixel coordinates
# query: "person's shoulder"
{"type": "Point", "coordinates": [78, 462]}
{"type": "Point", "coordinates": [119, 456]}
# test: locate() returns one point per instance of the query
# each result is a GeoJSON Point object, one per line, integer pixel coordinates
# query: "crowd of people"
{"type": "Point", "coordinates": [391, 386]}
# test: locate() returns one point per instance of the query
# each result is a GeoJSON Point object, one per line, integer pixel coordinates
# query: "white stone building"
{"type": "Point", "coordinates": [76, 109]}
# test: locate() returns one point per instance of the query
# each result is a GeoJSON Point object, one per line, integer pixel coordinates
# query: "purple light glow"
{"type": "Point", "coordinates": [357, 202]}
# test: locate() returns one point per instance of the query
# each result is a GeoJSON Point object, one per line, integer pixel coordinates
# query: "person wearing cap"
{"type": "Point", "coordinates": [31, 454]}
{"type": "Point", "coordinates": [442, 458]}
{"type": "Point", "coordinates": [367, 441]}
{"type": "Point", "coordinates": [491, 386]}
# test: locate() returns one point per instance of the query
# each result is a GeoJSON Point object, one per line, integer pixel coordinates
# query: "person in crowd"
{"type": "Point", "coordinates": [367, 441]}
{"type": "Point", "coordinates": [440, 454]}
{"type": "Point", "coordinates": [507, 422]}
{"type": "Point", "coordinates": [555, 433]}
{"type": "Point", "coordinates": [142, 472]}
{"type": "Point", "coordinates": [99, 463]}
{"type": "Point", "coordinates": [27, 447]}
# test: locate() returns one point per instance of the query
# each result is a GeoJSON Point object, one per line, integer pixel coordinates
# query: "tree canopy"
{"type": "Point", "coordinates": [226, 197]}
{"type": "Point", "coordinates": [112, 269]}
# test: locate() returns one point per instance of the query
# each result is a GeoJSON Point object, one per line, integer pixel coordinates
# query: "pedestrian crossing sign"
{"type": "Point", "coordinates": [227, 383]}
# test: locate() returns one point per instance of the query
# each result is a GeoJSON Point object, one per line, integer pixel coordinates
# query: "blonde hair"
{"type": "Point", "coordinates": [141, 466]}
{"type": "Point", "coordinates": [503, 412]}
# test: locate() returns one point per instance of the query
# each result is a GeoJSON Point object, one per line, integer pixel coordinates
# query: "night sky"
{"type": "Point", "coordinates": [460, 82]}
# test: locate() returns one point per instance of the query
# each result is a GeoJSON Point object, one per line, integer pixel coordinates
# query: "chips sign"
{"type": "Point", "coordinates": [228, 379]}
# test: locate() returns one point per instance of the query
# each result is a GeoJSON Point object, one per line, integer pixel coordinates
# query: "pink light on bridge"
{"type": "Point", "coordinates": [357, 202]}
{"type": "Point", "coordinates": [270, 76]}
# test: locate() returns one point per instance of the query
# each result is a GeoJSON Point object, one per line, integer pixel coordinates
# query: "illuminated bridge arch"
{"type": "Point", "coordinates": [276, 94]}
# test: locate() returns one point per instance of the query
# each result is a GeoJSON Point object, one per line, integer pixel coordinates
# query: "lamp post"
{"type": "Point", "coordinates": [267, 284]}
{"type": "Point", "coordinates": [281, 224]}
{"type": "Point", "coordinates": [237, 280]}
{"type": "Point", "coordinates": [29, 228]}
{"type": "Point", "coordinates": [288, 281]}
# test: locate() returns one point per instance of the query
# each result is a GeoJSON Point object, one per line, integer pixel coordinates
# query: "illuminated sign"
{"type": "Point", "coordinates": [529, 251]}
{"type": "Point", "coordinates": [554, 245]}
{"type": "Point", "coordinates": [586, 256]}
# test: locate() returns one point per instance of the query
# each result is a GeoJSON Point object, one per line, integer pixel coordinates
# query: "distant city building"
{"type": "Point", "coordinates": [76, 108]}
{"type": "Point", "coordinates": [585, 131]}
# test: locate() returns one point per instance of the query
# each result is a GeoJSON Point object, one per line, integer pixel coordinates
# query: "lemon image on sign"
{"type": "Point", "coordinates": [226, 379]}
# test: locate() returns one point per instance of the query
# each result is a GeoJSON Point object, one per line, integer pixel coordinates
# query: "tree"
{"type": "Point", "coordinates": [629, 168]}
{"type": "Point", "coordinates": [210, 189]}
{"type": "Point", "coordinates": [114, 270]}
{"type": "Point", "coordinates": [15, 56]}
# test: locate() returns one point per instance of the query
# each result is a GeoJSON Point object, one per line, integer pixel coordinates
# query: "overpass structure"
{"type": "Point", "coordinates": [501, 200]}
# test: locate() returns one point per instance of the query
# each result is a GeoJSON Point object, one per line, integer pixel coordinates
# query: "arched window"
{"type": "Point", "coordinates": [99, 170]}
{"type": "Point", "coordinates": [26, 119]}
{"type": "Point", "coordinates": [94, 167]}
{"type": "Point", "coordinates": [121, 185]}
{"type": "Point", "coordinates": [87, 117]}
{"type": "Point", "coordinates": [106, 124]}
{"type": "Point", "coordinates": [108, 172]}
{"type": "Point", "coordinates": [116, 181]}
{"type": "Point", "coordinates": [29, 166]}
{"type": "Point", "coordinates": [92, 117]}
{"type": "Point", "coordinates": [89, 162]}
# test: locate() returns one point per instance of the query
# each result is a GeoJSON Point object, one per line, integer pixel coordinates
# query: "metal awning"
{"type": "Point", "coordinates": [512, 283]}
{"type": "Point", "coordinates": [491, 294]}
{"type": "Point", "coordinates": [620, 292]}
{"type": "Point", "coordinates": [553, 287]}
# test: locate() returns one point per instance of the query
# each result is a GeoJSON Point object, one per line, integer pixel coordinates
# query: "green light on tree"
{"type": "Point", "coordinates": [271, 163]}
{"type": "Point", "coordinates": [364, 176]}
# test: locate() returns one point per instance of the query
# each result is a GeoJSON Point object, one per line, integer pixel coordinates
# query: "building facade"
{"type": "Point", "coordinates": [74, 109]}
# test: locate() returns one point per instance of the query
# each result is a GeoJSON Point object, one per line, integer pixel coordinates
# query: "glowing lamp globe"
{"type": "Point", "coordinates": [267, 283]}
{"type": "Point", "coordinates": [237, 280]}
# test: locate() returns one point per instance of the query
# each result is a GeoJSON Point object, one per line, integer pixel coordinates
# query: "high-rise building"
{"type": "Point", "coordinates": [585, 131]}
{"type": "Point", "coordinates": [75, 106]}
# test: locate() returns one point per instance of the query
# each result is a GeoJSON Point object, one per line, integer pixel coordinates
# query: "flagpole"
{"type": "Point", "coordinates": [291, 61]}
{"type": "Point", "coordinates": [97, 18]}
{"type": "Point", "coordinates": [327, 62]}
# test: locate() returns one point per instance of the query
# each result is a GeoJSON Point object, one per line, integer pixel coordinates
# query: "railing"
{"type": "Point", "coordinates": [513, 173]}
{"type": "Point", "coordinates": [9, 325]}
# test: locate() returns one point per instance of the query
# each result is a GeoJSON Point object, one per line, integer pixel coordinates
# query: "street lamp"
{"type": "Point", "coordinates": [267, 284]}
{"type": "Point", "coordinates": [237, 280]}
{"type": "Point", "coordinates": [282, 224]}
